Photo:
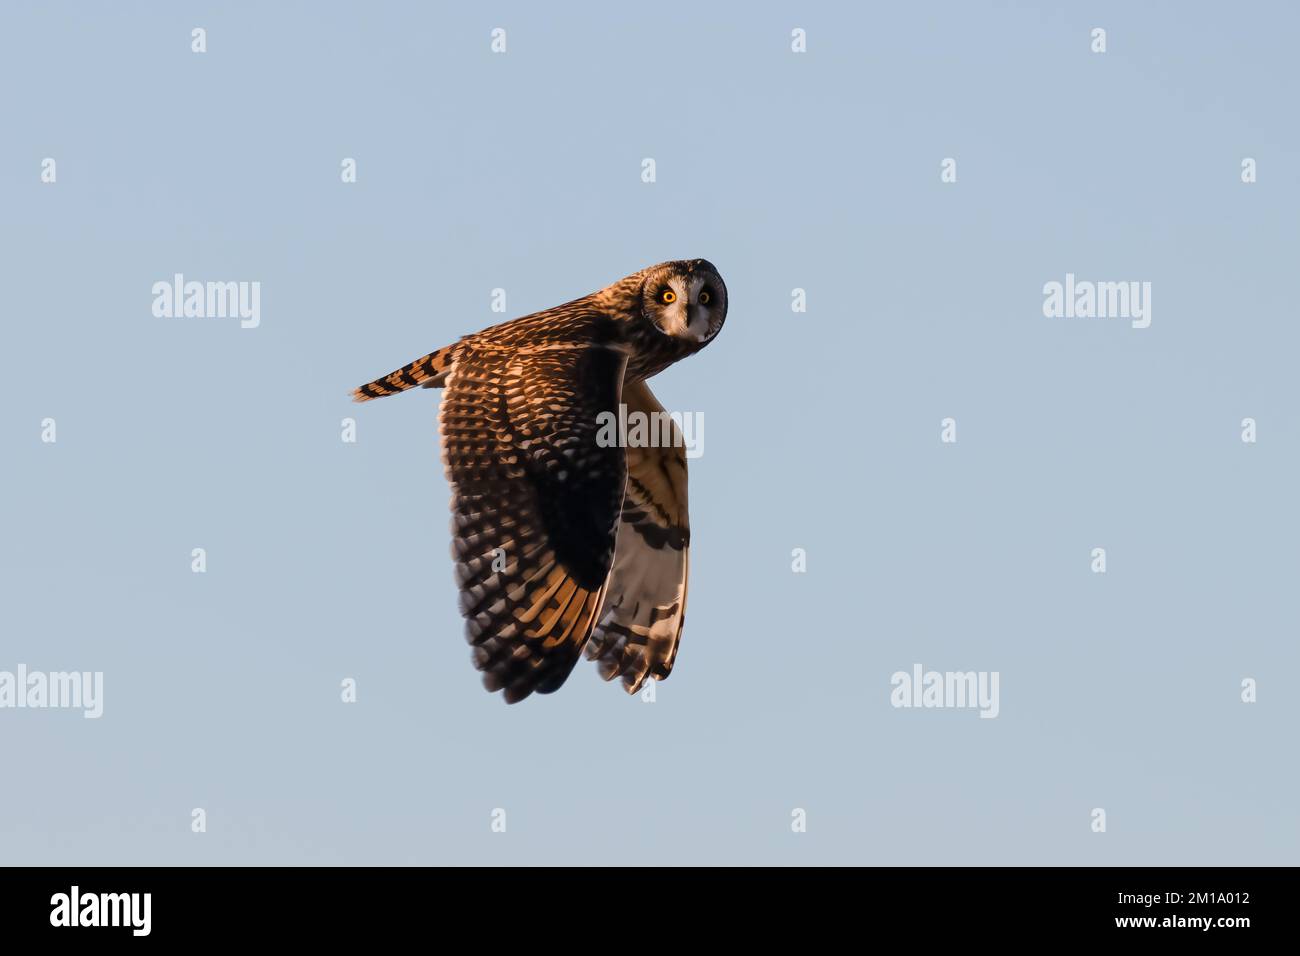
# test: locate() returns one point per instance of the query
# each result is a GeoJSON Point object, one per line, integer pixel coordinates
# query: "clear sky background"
{"type": "Point", "coordinates": [522, 171]}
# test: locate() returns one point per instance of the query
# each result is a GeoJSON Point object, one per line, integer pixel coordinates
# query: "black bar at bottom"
{"type": "Point", "coordinates": [524, 906]}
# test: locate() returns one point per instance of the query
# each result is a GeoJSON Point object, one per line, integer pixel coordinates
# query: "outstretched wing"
{"type": "Point", "coordinates": [535, 502]}
{"type": "Point", "coordinates": [644, 606]}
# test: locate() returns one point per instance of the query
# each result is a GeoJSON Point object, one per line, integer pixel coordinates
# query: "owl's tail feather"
{"type": "Point", "coordinates": [429, 371]}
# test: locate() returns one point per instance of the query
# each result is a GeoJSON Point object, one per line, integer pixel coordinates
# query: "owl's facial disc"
{"type": "Point", "coordinates": [690, 306]}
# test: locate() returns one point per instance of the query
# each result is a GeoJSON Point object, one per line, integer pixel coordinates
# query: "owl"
{"type": "Point", "coordinates": [565, 540]}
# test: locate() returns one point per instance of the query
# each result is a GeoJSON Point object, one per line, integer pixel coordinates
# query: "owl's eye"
{"type": "Point", "coordinates": [668, 297]}
{"type": "Point", "coordinates": [705, 297]}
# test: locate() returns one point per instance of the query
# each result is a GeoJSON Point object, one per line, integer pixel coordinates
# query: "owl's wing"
{"type": "Point", "coordinates": [644, 607]}
{"type": "Point", "coordinates": [535, 503]}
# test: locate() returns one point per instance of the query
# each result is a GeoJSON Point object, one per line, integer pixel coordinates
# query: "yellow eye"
{"type": "Point", "coordinates": [704, 297]}
{"type": "Point", "coordinates": [668, 297]}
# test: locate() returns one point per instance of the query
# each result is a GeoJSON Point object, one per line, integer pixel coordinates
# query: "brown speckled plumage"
{"type": "Point", "coordinates": [556, 539]}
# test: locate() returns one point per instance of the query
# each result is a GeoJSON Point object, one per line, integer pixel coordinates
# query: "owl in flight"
{"type": "Point", "coordinates": [563, 539]}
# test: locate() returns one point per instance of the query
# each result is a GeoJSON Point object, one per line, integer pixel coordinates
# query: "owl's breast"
{"type": "Point", "coordinates": [650, 352]}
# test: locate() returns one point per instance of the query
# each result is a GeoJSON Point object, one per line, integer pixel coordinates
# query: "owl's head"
{"type": "Point", "coordinates": [685, 299]}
